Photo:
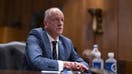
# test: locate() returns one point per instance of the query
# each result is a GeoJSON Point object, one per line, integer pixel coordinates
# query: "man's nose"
{"type": "Point", "coordinates": [61, 22]}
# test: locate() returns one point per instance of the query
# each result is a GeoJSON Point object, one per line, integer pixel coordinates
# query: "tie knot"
{"type": "Point", "coordinates": [54, 42]}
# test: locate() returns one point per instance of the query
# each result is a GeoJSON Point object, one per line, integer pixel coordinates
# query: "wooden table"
{"type": "Point", "coordinates": [34, 72]}
{"type": "Point", "coordinates": [18, 72]}
{"type": "Point", "coordinates": [39, 72]}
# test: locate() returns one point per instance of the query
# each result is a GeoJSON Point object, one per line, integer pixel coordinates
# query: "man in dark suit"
{"type": "Point", "coordinates": [42, 55]}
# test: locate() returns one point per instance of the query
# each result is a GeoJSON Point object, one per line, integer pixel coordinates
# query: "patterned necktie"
{"type": "Point", "coordinates": [54, 50]}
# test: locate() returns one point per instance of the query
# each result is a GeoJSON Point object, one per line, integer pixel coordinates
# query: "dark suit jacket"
{"type": "Point", "coordinates": [38, 51]}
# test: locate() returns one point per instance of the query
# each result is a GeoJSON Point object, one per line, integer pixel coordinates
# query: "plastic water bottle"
{"type": "Point", "coordinates": [111, 63]}
{"type": "Point", "coordinates": [97, 62]}
{"type": "Point", "coordinates": [95, 50]}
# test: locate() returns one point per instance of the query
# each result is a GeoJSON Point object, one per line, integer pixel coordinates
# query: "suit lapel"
{"type": "Point", "coordinates": [47, 45]}
{"type": "Point", "coordinates": [61, 54]}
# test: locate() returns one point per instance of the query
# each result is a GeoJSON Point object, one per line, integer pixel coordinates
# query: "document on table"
{"type": "Point", "coordinates": [51, 72]}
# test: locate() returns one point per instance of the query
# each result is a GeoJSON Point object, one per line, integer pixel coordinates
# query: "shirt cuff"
{"type": "Point", "coordinates": [60, 65]}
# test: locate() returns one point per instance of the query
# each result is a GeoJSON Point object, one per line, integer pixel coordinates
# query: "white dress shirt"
{"type": "Point", "coordinates": [60, 63]}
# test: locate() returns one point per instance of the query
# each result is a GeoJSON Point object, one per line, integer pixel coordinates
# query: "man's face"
{"type": "Point", "coordinates": [55, 23]}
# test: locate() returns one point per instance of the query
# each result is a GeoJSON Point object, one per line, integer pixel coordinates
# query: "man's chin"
{"type": "Point", "coordinates": [59, 33]}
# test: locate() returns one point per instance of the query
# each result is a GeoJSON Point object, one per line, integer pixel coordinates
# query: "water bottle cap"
{"type": "Point", "coordinates": [98, 54]}
{"type": "Point", "coordinates": [95, 45]}
{"type": "Point", "coordinates": [110, 54]}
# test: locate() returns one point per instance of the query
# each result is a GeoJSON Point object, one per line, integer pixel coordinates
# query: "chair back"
{"type": "Point", "coordinates": [11, 55]}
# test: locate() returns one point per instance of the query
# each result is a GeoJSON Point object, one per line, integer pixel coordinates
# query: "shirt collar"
{"type": "Point", "coordinates": [51, 38]}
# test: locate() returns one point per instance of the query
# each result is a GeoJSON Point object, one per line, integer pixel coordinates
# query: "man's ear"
{"type": "Point", "coordinates": [45, 24]}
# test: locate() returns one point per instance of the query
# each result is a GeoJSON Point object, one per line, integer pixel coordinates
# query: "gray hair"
{"type": "Point", "coordinates": [49, 12]}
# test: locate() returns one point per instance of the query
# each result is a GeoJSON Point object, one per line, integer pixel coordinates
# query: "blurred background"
{"type": "Point", "coordinates": [105, 22]}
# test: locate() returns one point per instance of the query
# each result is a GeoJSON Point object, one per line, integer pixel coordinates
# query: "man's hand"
{"type": "Point", "coordinates": [75, 66]}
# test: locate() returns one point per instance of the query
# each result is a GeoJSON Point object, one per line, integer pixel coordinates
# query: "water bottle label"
{"type": "Point", "coordinates": [97, 65]}
{"type": "Point", "coordinates": [111, 67]}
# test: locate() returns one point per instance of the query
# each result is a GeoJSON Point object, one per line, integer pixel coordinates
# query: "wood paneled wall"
{"type": "Point", "coordinates": [125, 30]}
{"type": "Point", "coordinates": [78, 24]}
{"type": "Point", "coordinates": [20, 11]}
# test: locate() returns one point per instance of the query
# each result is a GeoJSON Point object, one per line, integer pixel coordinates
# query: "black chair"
{"type": "Point", "coordinates": [11, 55]}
